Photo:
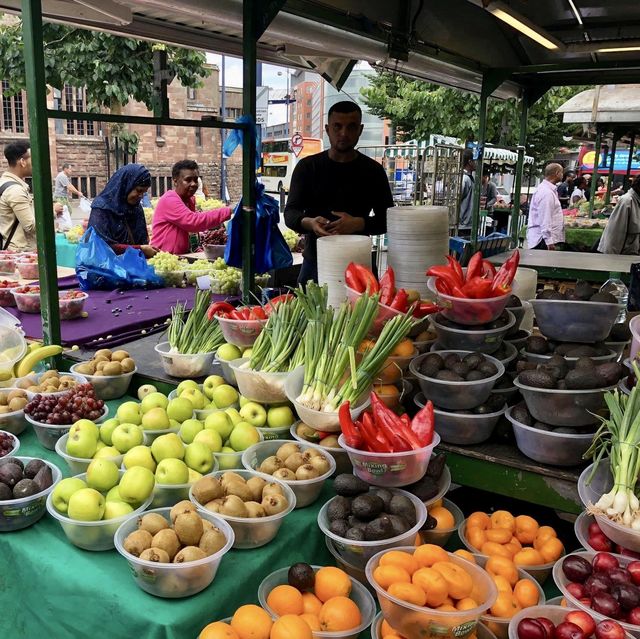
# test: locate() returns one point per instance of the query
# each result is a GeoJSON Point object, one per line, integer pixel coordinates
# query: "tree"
{"type": "Point", "coordinates": [418, 109]}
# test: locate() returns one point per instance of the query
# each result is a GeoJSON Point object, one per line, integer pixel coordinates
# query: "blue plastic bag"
{"type": "Point", "coordinates": [98, 267]}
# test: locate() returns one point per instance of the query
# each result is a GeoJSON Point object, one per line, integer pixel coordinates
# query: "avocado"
{"type": "Point", "coordinates": [561, 385]}
{"type": "Point", "coordinates": [557, 372]}
{"type": "Point", "coordinates": [501, 353]}
{"type": "Point", "coordinates": [451, 359]}
{"type": "Point", "coordinates": [436, 465]}
{"type": "Point", "coordinates": [25, 488]}
{"type": "Point", "coordinates": [583, 290]}
{"type": "Point", "coordinates": [339, 508]}
{"type": "Point", "coordinates": [611, 372]}
{"type": "Point", "coordinates": [348, 485]}
{"type": "Point", "coordinates": [301, 576]}
{"type": "Point", "coordinates": [521, 414]}
{"type": "Point", "coordinates": [495, 402]}
{"type": "Point", "coordinates": [339, 527]}
{"type": "Point", "coordinates": [384, 494]}
{"type": "Point", "coordinates": [434, 359]}
{"type": "Point", "coordinates": [448, 376]}
{"type": "Point", "coordinates": [537, 379]}
{"type": "Point", "coordinates": [584, 364]}
{"type": "Point", "coordinates": [488, 368]}
{"type": "Point", "coordinates": [354, 522]}
{"type": "Point", "coordinates": [460, 368]}
{"type": "Point", "coordinates": [582, 351]}
{"type": "Point", "coordinates": [619, 333]}
{"type": "Point", "coordinates": [580, 379]}
{"type": "Point", "coordinates": [514, 301]}
{"type": "Point", "coordinates": [525, 366]}
{"type": "Point", "coordinates": [43, 478]}
{"type": "Point", "coordinates": [483, 409]}
{"type": "Point", "coordinates": [403, 506]}
{"type": "Point", "coordinates": [543, 426]}
{"type": "Point", "coordinates": [32, 468]}
{"type": "Point", "coordinates": [537, 345]}
{"type": "Point", "coordinates": [475, 376]}
{"type": "Point", "coordinates": [430, 523]}
{"type": "Point", "coordinates": [367, 507]}
{"type": "Point", "coordinates": [356, 534]}
{"type": "Point", "coordinates": [12, 460]}
{"type": "Point", "coordinates": [398, 524]}
{"type": "Point", "coordinates": [424, 489]}
{"type": "Point", "coordinates": [606, 298]}
{"type": "Point", "coordinates": [380, 528]}
{"type": "Point", "coordinates": [473, 360]}
{"type": "Point", "coordinates": [568, 431]}
{"type": "Point", "coordinates": [429, 369]}
{"type": "Point", "coordinates": [550, 294]}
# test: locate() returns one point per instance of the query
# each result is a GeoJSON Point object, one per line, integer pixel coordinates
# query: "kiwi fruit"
{"type": "Point", "coordinates": [181, 507]}
{"type": "Point", "coordinates": [321, 464]}
{"type": "Point", "coordinates": [189, 553]}
{"type": "Point", "coordinates": [153, 523]}
{"type": "Point", "coordinates": [241, 490]}
{"type": "Point", "coordinates": [255, 509]}
{"type": "Point", "coordinates": [166, 540]}
{"type": "Point", "coordinates": [272, 488]}
{"type": "Point", "coordinates": [156, 555]}
{"type": "Point", "coordinates": [284, 473]}
{"type": "Point", "coordinates": [137, 542]}
{"type": "Point", "coordinates": [233, 506]}
{"type": "Point", "coordinates": [230, 476]}
{"type": "Point", "coordinates": [294, 461]}
{"type": "Point", "coordinates": [17, 403]}
{"type": "Point", "coordinates": [310, 453]}
{"type": "Point", "coordinates": [207, 489]}
{"type": "Point", "coordinates": [256, 485]}
{"type": "Point", "coordinates": [103, 352]}
{"type": "Point", "coordinates": [112, 368]}
{"type": "Point", "coordinates": [271, 464]}
{"type": "Point", "coordinates": [189, 529]}
{"type": "Point", "coordinates": [118, 356]}
{"type": "Point", "coordinates": [212, 541]}
{"type": "Point", "coordinates": [213, 505]}
{"type": "Point", "coordinates": [307, 471]}
{"type": "Point", "coordinates": [287, 449]}
{"type": "Point", "coordinates": [274, 504]}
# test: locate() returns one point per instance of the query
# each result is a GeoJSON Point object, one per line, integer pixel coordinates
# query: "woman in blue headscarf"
{"type": "Point", "coordinates": [117, 214]}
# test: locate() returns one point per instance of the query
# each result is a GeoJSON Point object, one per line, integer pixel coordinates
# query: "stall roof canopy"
{"type": "Point", "coordinates": [612, 104]}
{"type": "Point", "coordinates": [524, 43]}
{"type": "Point", "coordinates": [492, 154]}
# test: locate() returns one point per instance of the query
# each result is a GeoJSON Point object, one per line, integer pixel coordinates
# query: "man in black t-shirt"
{"type": "Point", "coordinates": [334, 192]}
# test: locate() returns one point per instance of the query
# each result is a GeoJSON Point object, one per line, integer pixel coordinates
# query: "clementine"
{"type": "Point", "coordinates": [251, 622]}
{"type": "Point", "coordinates": [434, 586]}
{"type": "Point", "coordinates": [312, 620]}
{"type": "Point", "coordinates": [218, 630]}
{"type": "Point", "coordinates": [408, 592]}
{"type": "Point", "coordinates": [339, 613]}
{"type": "Point", "coordinates": [310, 603]}
{"type": "Point", "coordinates": [399, 558]}
{"type": "Point", "coordinates": [391, 574]}
{"type": "Point", "coordinates": [332, 582]}
{"type": "Point", "coordinates": [428, 554]}
{"type": "Point", "coordinates": [285, 600]}
{"type": "Point", "coordinates": [526, 593]}
{"type": "Point", "coordinates": [291, 627]}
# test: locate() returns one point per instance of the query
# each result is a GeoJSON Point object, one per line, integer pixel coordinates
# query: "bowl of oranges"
{"type": "Point", "coordinates": [380, 629]}
{"type": "Point", "coordinates": [444, 517]}
{"type": "Point", "coordinates": [425, 591]}
{"type": "Point", "coordinates": [532, 547]}
{"type": "Point", "coordinates": [334, 605]}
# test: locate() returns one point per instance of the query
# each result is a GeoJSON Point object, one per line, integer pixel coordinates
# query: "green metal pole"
{"type": "Point", "coordinates": [515, 213]}
{"type": "Point", "coordinates": [477, 185]}
{"type": "Point", "coordinates": [594, 176]}
{"type": "Point", "coordinates": [607, 197]}
{"type": "Point", "coordinates": [250, 9]}
{"type": "Point", "coordinates": [632, 146]}
{"type": "Point", "coordinates": [39, 134]}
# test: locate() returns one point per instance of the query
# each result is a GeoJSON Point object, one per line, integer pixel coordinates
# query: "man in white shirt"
{"type": "Point", "coordinates": [546, 224]}
{"type": "Point", "coordinates": [63, 189]}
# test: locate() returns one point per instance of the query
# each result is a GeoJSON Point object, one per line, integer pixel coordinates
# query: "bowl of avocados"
{"type": "Point", "coordinates": [540, 350]}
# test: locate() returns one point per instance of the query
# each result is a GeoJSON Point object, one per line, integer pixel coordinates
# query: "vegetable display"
{"type": "Point", "coordinates": [224, 309]}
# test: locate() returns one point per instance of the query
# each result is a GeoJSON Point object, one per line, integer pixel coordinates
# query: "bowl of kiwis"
{"type": "Point", "coordinates": [456, 380]}
{"type": "Point", "coordinates": [12, 403]}
{"type": "Point", "coordinates": [174, 552]}
{"type": "Point", "coordinates": [539, 350]}
{"type": "Point", "coordinates": [485, 338]}
{"type": "Point", "coordinates": [253, 505]}
{"type": "Point", "coordinates": [49, 383]}
{"type": "Point", "coordinates": [303, 467]}
{"type": "Point", "coordinates": [109, 372]}
{"type": "Point", "coordinates": [304, 434]}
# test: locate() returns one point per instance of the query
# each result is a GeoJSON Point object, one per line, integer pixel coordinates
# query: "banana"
{"type": "Point", "coordinates": [28, 363]}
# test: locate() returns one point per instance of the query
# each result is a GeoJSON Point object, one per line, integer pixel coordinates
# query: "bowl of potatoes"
{"type": "Point", "coordinates": [109, 372]}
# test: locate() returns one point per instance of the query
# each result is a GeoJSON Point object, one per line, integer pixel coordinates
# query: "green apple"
{"type": "Point", "coordinates": [280, 417]}
{"type": "Point", "coordinates": [113, 494]}
{"type": "Point", "coordinates": [155, 419]}
{"type": "Point", "coordinates": [189, 429]}
{"type": "Point", "coordinates": [126, 436]}
{"type": "Point", "coordinates": [173, 424]}
{"type": "Point", "coordinates": [184, 385]}
{"type": "Point", "coordinates": [107, 428]}
{"type": "Point", "coordinates": [129, 413]}
{"type": "Point", "coordinates": [114, 509]}
{"type": "Point", "coordinates": [210, 383]}
{"type": "Point", "coordinates": [194, 475]}
{"type": "Point", "coordinates": [228, 352]}
{"type": "Point", "coordinates": [136, 485]}
{"type": "Point", "coordinates": [199, 456]}
{"type": "Point", "coordinates": [102, 475]}
{"type": "Point", "coordinates": [63, 491]}
{"type": "Point", "coordinates": [229, 459]}
{"type": "Point", "coordinates": [153, 400]}
{"type": "Point", "coordinates": [196, 397]}
{"type": "Point", "coordinates": [100, 445]}
{"type": "Point", "coordinates": [172, 471]}
{"type": "Point", "coordinates": [225, 396]}
{"type": "Point", "coordinates": [139, 456]}
{"type": "Point", "coordinates": [211, 438]}
{"type": "Point", "coordinates": [81, 443]}
{"type": "Point", "coordinates": [247, 352]}
{"type": "Point", "coordinates": [106, 452]}
{"type": "Point", "coordinates": [167, 446]}
{"type": "Point", "coordinates": [180, 409]}
{"type": "Point", "coordinates": [86, 426]}
{"type": "Point", "coordinates": [243, 401]}
{"type": "Point", "coordinates": [86, 504]}
{"type": "Point", "coordinates": [221, 422]}
{"type": "Point", "coordinates": [234, 416]}
{"type": "Point", "coordinates": [243, 435]}
{"type": "Point", "coordinates": [145, 390]}
{"type": "Point", "coordinates": [254, 413]}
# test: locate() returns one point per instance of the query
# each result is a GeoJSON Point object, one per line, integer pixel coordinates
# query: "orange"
{"type": "Point", "coordinates": [491, 548]}
{"type": "Point", "coordinates": [291, 627]}
{"type": "Point", "coordinates": [465, 554]}
{"type": "Point", "coordinates": [526, 593]}
{"type": "Point", "coordinates": [513, 546]}
{"type": "Point", "coordinates": [466, 604]}
{"type": "Point", "coordinates": [481, 520]}
{"type": "Point", "coordinates": [544, 533]}
{"type": "Point", "coordinates": [251, 622]}
{"type": "Point", "coordinates": [404, 348]}
{"type": "Point", "coordinates": [504, 567]}
{"type": "Point", "coordinates": [503, 519]}
{"type": "Point", "coordinates": [526, 529]}
{"type": "Point", "coordinates": [563, 603]}
{"type": "Point", "coordinates": [459, 582]}
{"type": "Point", "coordinates": [366, 345]}
{"type": "Point", "coordinates": [436, 503]}
{"type": "Point", "coordinates": [408, 592]}
{"type": "Point", "coordinates": [285, 600]}
{"type": "Point", "coordinates": [551, 549]}
{"type": "Point", "coordinates": [387, 631]}
{"type": "Point", "coordinates": [310, 603]}
{"type": "Point", "coordinates": [504, 606]}
{"type": "Point", "coordinates": [339, 613]}
{"type": "Point", "coordinates": [501, 583]}
{"type": "Point", "coordinates": [476, 536]}
{"type": "Point", "coordinates": [443, 516]}
{"type": "Point", "coordinates": [448, 601]}
{"type": "Point", "coordinates": [446, 608]}
{"type": "Point", "coordinates": [528, 557]}
{"type": "Point", "coordinates": [498, 535]}
{"type": "Point", "coordinates": [390, 374]}
{"type": "Point", "coordinates": [218, 630]}
{"type": "Point", "coordinates": [434, 585]}
{"type": "Point", "coordinates": [388, 390]}
{"type": "Point", "coordinates": [312, 620]}
{"type": "Point", "coordinates": [399, 558]}
{"type": "Point", "coordinates": [391, 574]}
{"type": "Point", "coordinates": [332, 582]}
{"type": "Point", "coordinates": [428, 554]}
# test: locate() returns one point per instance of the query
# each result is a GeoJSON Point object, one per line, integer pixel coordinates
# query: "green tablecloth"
{"type": "Point", "coordinates": [65, 251]}
{"type": "Point", "coordinates": [582, 239]}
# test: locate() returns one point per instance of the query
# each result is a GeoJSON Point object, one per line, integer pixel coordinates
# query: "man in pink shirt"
{"type": "Point", "coordinates": [175, 215]}
{"type": "Point", "coordinates": [546, 223]}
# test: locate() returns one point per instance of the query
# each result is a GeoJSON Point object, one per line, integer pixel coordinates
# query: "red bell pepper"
{"type": "Point", "coordinates": [425, 308]}
{"type": "Point", "coordinates": [373, 438]}
{"type": "Point", "coordinates": [387, 286]}
{"type": "Point", "coordinates": [478, 288]}
{"type": "Point", "coordinates": [396, 430]}
{"type": "Point", "coordinates": [506, 274]}
{"type": "Point", "coordinates": [352, 278]}
{"type": "Point", "coordinates": [219, 308]}
{"type": "Point", "coordinates": [368, 278]}
{"type": "Point", "coordinates": [274, 301]}
{"type": "Point", "coordinates": [474, 268]}
{"type": "Point", "coordinates": [443, 287]}
{"type": "Point", "coordinates": [488, 269]}
{"type": "Point", "coordinates": [423, 424]}
{"type": "Point", "coordinates": [454, 265]}
{"type": "Point", "coordinates": [444, 274]}
{"type": "Point", "coordinates": [351, 433]}
{"type": "Point", "coordinates": [400, 301]}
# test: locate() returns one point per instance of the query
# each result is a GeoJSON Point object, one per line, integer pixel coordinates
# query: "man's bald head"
{"type": "Point", "coordinates": [553, 172]}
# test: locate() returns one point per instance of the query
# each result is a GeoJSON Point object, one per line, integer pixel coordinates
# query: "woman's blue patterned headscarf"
{"type": "Point", "coordinates": [114, 196]}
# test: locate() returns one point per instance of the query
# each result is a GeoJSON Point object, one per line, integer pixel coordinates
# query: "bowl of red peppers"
{"type": "Point", "coordinates": [240, 326]}
{"type": "Point", "coordinates": [387, 449]}
{"type": "Point", "coordinates": [475, 295]}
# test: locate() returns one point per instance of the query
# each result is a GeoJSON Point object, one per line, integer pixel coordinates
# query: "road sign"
{"type": "Point", "coordinates": [297, 144]}
{"type": "Point", "coordinates": [262, 105]}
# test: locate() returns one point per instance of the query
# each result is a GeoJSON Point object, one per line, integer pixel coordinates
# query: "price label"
{"type": "Point", "coordinates": [203, 282]}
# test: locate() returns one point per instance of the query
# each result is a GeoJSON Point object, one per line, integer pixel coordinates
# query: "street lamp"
{"type": "Point", "coordinates": [288, 98]}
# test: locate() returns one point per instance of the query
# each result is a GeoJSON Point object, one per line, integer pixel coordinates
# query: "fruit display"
{"type": "Point", "coordinates": [292, 463]}
{"type": "Point", "coordinates": [253, 622]}
{"type": "Point", "coordinates": [27, 266]}
{"type": "Point", "coordinates": [582, 292]}
{"type": "Point", "coordinates": [430, 486]}
{"type": "Point", "coordinates": [214, 237]}
{"type": "Point", "coordinates": [313, 436]}
{"type": "Point", "coordinates": [70, 303]}
{"type": "Point", "coordinates": [8, 443]}
{"type": "Point", "coordinates": [107, 363]}
{"type": "Point", "coordinates": [12, 400]}
{"type": "Point", "coordinates": [293, 240]}
{"type": "Point", "coordinates": [74, 234]}
{"type": "Point", "coordinates": [6, 296]}
{"type": "Point", "coordinates": [49, 382]}
{"type": "Point", "coordinates": [556, 374]}
{"type": "Point", "coordinates": [452, 367]}
{"type": "Point", "coordinates": [78, 403]}
{"type": "Point", "coordinates": [36, 352]}
{"type": "Point", "coordinates": [575, 624]}
{"type": "Point", "coordinates": [540, 345]}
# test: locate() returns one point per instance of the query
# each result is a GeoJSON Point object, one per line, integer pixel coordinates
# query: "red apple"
{"type": "Point", "coordinates": [582, 619]}
{"type": "Point", "coordinates": [609, 629]}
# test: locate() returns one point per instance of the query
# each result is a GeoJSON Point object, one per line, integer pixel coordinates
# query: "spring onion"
{"type": "Point", "coordinates": [195, 334]}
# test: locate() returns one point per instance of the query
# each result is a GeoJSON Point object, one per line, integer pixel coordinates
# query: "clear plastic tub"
{"type": "Point", "coordinates": [49, 434]}
{"type": "Point", "coordinates": [546, 447]}
{"type": "Point", "coordinates": [456, 395]}
{"type": "Point", "coordinates": [539, 572]}
{"type": "Point", "coordinates": [394, 400]}
{"type": "Point", "coordinates": [482, 632]}
{"type": "Point", "coordinates": [444, 483]}
{"type": "Point", "coordinates": [13, 348]}
{"type": "Point", "coordinates": [390, 469]}
{"type": "Point", "coordinates": [79, 465]}
{"type": "Point", "coordinates": [573, 321]}
{"type": "Point", "coordinates": [612, 356]}
{"type": "Point", "coordinates": [616, 347]}
{"type": "Point", "coordinates": [519, 339]}
{"type": "Point", "coordinates": [173, 580]}
{"type": "Point", "coordinates": [192, 276]}
{"type": "Point", "coordinates": [320, 420]}
{"type": "Point", "coordinates": [339, 454]}
{"type": "Point", "coordinates": [306, 491]}
{"type": "Point", "coordinates": [242, 333]}
{"type": "Point", "coordinates": [258, 386]}
{"type": "Point", "coordinates": [353, 571]}
{"type": "Point", "coordinates": [254, 532]}
{"type": "Point", "coordinates": [359, 595]}
{"type": "Point", "coordinates": [71, 307]}
{"type": "Point", "coordinates": [562, 581]}
{"type": "Point", "coordinates": [419, 621]}
{"type": "Point", "coordinates": [512, 353]}
{"type": "Point", "coordinates": [622, 385]}
{"type": "Point", "coordinates": [518, 314]}
{"type": "Point", "coordinates": [568, 408]}
{"type": "Point", "coordinates": [16, 444]}
{"type": "Point", "coordinates": [357, 553]}
{"type": "Point", "coordinates": [27, 302]}
{"type": "Point", "coordinates": [274, 433]}
{"type": "Point", "coordinates": [214, 251]}
{"type": "Point", "coordinates": [80, 379]}
{"type": "Point", "coordinates": [16, 514]}
{"type": "Point", "coordinates": [6, 294]}
{"type": "Point", "coordinates": [227, 372]}
{"type": "Point", "coordinates": [508, 394]}
{"type": "Point", "coordinates": [556, 614]}
{"type": "Point", "coordinates": [463, 430]}
{"type": "Point", "coordinates": [184, 366]}
{"type": "Point", "coordinates": [172, 278]}
{"type": "Point", "coordinates": [471, 312]}
{"type": "Point", "coordinates": [27, 270]}
{"type": "Point", "coordinates": [581, 529]}
{"type": "Point", "coordinates": [601, 484]}
{"type": "Point", "coordinates": [151, 435]}
{"type": "Point", "coordinates": [93, 535]}
{"type": "Point", "coordinates": [13, 422]}
{"type": "Point", "coordinates": [168, 495]}
{"type": "Point", "coordinates": [481, 341]}
{"type": "Point", "coordinates": [229, 461]}
{"type": "Point", "coordinates": [385, 313]}
{"type": "Point", "coordinates": [109, 386]}
{"type": "Point", "coordinates": [8, 265]}
{"type": "Point", "coordinates": [440, 536]}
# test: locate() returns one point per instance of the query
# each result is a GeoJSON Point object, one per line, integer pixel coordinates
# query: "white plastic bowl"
{"type": "Point", "coordinates": [109, 386]}
{"type": "Point", "coordinates": [80, 379]}
{"type": "Point", "coordinates": [173, 580]}
{"type": "Point", "coordinates": [339, 454]}
{"type": "Point", "coordinates": [306, 491]}
{"type": "Point", "coordinates": [353, 571]}
{"type": "Point", "coordinates": [440, 536]}
{"type": "Point", "coordinates": [79, 465]}
{"type": "Point", "coordinates": [472, 338]}
{"type": "Point", "coordinates": [16, 444]}
{"type": "Point", "coordinates": [258, 386]}
{"type": "Point", "coordinates": [227, 373]}
{"type": "Point", "coordinates": [242, 333]}
{"type": "Point", "coordinates": [482, 632]}
{"type": "Point", "coordinates": [184, 366]}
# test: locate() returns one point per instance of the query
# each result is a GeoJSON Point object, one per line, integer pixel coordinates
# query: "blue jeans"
{"type": "Point", "coordinates": [308, 271]}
